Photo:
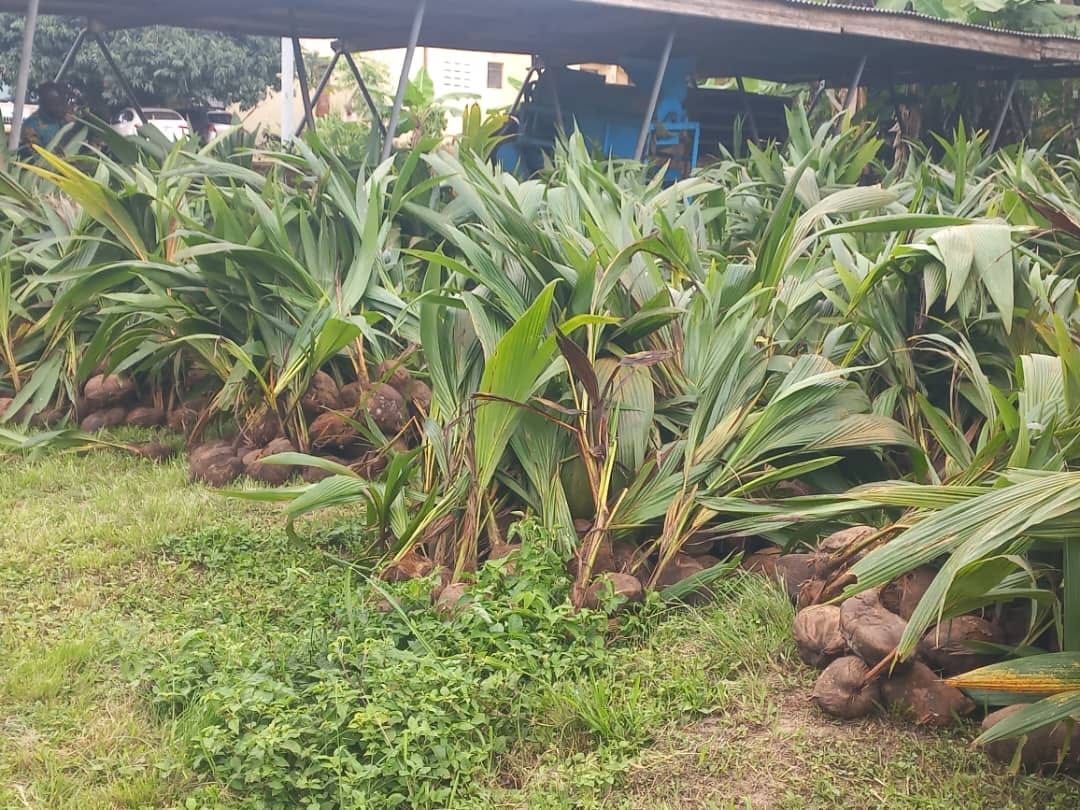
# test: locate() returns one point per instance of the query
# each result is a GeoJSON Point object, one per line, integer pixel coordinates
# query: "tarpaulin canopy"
{"type": "Point", "coordinates": [783, 40]}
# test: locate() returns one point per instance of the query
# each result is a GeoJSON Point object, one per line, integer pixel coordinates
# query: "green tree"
{"type": "Point", "coordinates": [164, 65]}
{"type": "Point", "coordinates": [424, 113]}
{"type": "Point", "coordinates": [1048, 16]}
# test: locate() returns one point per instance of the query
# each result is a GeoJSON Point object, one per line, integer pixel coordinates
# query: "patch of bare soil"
{"type": "Point", "coordinates": [731, 761]}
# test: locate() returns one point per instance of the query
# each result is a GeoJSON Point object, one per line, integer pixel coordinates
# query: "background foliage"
{"type": "Point", "coordinates": [165, 65]}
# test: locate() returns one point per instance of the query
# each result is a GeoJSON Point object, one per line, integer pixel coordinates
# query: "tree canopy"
{"type": "Point", "coordinates": [164, 65]}
{"type": "Point", "coordinates": [1047, 16]}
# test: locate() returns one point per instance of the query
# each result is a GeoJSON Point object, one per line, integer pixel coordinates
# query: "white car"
{"type": "Point", "coordinates": [168, 122]}
{"type": "Point", "coordinates": [8, 110]}
{"type": "Point", "coordinates": [221, 122]}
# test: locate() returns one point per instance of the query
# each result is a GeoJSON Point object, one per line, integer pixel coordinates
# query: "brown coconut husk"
{"type": "Point", "coordinates": [793, 570]}
{"type": "Point", "coordinates": [211, 448]}
{"type": "Point", "coordinates": [146, 416]}
{"type": "Point", "coordinates": [49, 418]}
{"type": "Point", "coordinates": [727, 546]}
{"type": "Point", "coordinates": [500, 551]}
{"type": "Point", "coordinates": [101, 391]}
{"type": "Point", "coordinates": [184, 417]}
{"type": "Point", "coordinates": [443, 578]}
{"type": "Point", "coordinates": [352, 395]}
{"type": "Point", "coordinates": [370, 464]}
{"type": "Point", "coordinates": [625, 555]}
{"type": "Point", "coordinates": [1015, 622]}
{"type": "Point", "coordinates": [842, 691]}
{"type": "Point", "coordinates": [451, 599]}
{"type": "Point", "coordinates": [682, 566]}
{"type": "Point", "coordinates": [838, 550]}
{"type": "Point", "coordinates": [395, 374]}
{"type": "Point", "coordinates": [272, 474]}
{"type": "Point", "coordinates": [411, 566]}
{"type": "Point", "coordinates": [196, 376]}
{"type": "Point", "coordinates": [604, 562]}
{"type": "Point", "coordinates": [1052, 748]}
{"type": "Point", "coordinates": [331, 431]}
{"type": "Point", "coordinates": [313, 475]}
{"type": "Point", "coordinates": [918, 691]}
{"type": "Point", "coordinates": [386, 407]}
{"type": "Point", "coordinates": [624, 586]}
{"type": "Point", "coordinates": [871, 631]}
{"type": "Point", "coordinates": [504, 551]}
{"type": "Point", "coordinates": [707, 560]}
{"type": "Point", "coordinates": [100, 420]}
{"type": "Point", "coordinates": [945, 647]}
{"type": "Point", "coordinates": [153, 451]}
{"type": "Point", "coordinates": [903, 594]}
{"type": "Point", "coordinates": [215, 463]}
{"type": "Point", "coordinates": [810, 593]}
{"type": "Point", "coordinates": [262, 429]}
{"type": "Point", "coordinates": [762, 562]}
{"type": "Point", "coordinates": [699, 543]}
{"type": "Point", "coordinates": [420, 395]}
{"type": "Point", "coordinates": [817, 635]}
{"type": "Point", "coordinates": [321, 396]}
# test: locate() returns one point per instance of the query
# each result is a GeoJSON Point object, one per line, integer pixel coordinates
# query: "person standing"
{"type": "Point", "coordinates": [53, 114]}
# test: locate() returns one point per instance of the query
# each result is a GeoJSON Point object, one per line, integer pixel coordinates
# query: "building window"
{"type": "Point", "coordinates": [456, 76]}
{"type": "Point", "coordinates": [495, 75]}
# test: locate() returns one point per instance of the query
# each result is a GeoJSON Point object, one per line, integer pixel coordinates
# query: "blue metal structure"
{"type": "Point", "coordinates": [609, 116]}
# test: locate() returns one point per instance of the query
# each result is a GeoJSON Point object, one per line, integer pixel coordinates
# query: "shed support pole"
{"type": "Point", "coordinates": [957, 116]}
{"type": "Point", "coordinates": [76, 46]}
{"type": "Point", "coordinates": [125, 85]}
{"type": "Point", "coordinates": [815, 97]}
{"type": "Point", "coordinates": [1000, 125]}
{"type": "Point", "coordinates": [288, 89]}
{"type": "Point", "coordinates": [22, 83]}
{"type": "Point", "coordinates": [305, 90]}
{"type": "Point", "coordinates": [521, 91]}
{"type": "Point", "coordinates": [403, 81]}
{"type": "Point", "coordinates": [376, 117]}
{"type": "Point", "coordinates": [321, 87]}
{"type": "Point", "coordinates": [654, 98]}
{"type": "Point", "coordinates": [556, 99]}
{"type": "Point", "coordinates": [748, 110]}
{"type": "Point", "coordinates": [1021, 122]}
{"type": "Point", "coordinates": [853, 92]}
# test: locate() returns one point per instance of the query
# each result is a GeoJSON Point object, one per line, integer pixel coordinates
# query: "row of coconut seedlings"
{"type": "Point", "coordinates": [331, 416]}
{"type": "Point", "coordinates": [853, 643]}
{"type": "Point", "coordinates": [620, 571]}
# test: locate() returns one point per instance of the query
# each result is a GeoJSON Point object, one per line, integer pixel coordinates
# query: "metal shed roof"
{"type": "Point", "coordinates": [783, 40]}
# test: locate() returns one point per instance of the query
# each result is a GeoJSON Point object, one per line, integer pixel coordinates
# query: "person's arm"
{"type": "Point", "coordinates": [30, 137]}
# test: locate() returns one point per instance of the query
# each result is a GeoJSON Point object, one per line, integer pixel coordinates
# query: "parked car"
{"type": "Point", "coordinates": [209, 123]}
{"type": "Point", "coordinates": [7, 108]}
{"type": "Point", "coordinates": [220, 122]}
{"type": "Point", "coordinates": [169, 122]}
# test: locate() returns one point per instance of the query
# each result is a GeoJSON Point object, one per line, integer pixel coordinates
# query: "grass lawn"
{"type": "Point", "coordinates": [108, 564]}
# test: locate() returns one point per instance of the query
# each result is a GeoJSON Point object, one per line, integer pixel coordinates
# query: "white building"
{"type": "Point", "coordinates": [491, 77]}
